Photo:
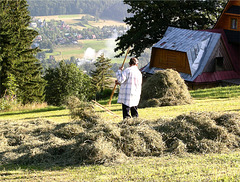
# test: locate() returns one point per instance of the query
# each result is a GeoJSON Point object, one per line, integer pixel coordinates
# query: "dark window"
{"type": "Point", "coordinates": [219, 66]}
{"type": "Point", "coordinates": [233, 23]}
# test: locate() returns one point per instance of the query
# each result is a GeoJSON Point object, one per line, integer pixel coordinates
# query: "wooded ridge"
{"type": "Point", "coordinates": [108, 9]}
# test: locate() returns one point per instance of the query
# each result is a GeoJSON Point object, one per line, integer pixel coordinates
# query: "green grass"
{"type": "Point", "coordinates": [52, 113]}
{"type": "Point", "coordinates": [68, 16]}
{"type": "Point", "coordinates": [93, 43]}
{"type": "Point", "coordinates": [187, 167]}
{"type": "Point", "coordinates": [216, 100]}
{"type": "Point", "coordinates": [210, 167]}
{"type": "Point", "coordinates": [218, 92]}
{"type": "Point", "coordinates": [71, 52]}
{"type": "Point", "coordinates": [219, 99]}
{"type": "Point", "coordinates": [55, 53]}
{"type": "Point", "coordinates": [65, 52]}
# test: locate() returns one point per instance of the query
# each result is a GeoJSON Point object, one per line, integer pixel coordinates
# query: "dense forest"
{"type": "Point", "coordinates": [107, 9]}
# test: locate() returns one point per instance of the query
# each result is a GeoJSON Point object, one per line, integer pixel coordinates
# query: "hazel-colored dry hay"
{"type": "Point", "coordinates": [203, 132]}
{"type": "Point", "coordinates": [164, 88]}
{"type": "Point", "coordinates": [95, 141]}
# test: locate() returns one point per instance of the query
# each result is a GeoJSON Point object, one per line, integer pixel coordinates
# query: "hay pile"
{"type": "Point", "coordinates": [139, 139]}
{"type": "Point", "coordinates": [164, 88]}
{"type": "Point", "coordinates": [43, 142]}
{"type": "Point", "coordinates": [96, 141]}
{"type": "Point", "coordinates": [201, 133]}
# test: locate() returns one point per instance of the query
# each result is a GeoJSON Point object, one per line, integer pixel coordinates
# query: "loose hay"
{"type": "Point", "coordinates": [103, 151]}
{"type": "Point", "coordinates": [82, 110]}
{"type": "Point", "coordinates": [164, 88]}
{"type": "Point", "coordinates": [140, 139]}
{"type": "Point", "coordinates": [43, 142]}
{"type": "Point", "coordinates": [200, 132]}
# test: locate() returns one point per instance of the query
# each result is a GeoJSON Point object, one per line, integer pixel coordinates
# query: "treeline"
{"type": "Point", "coordinates": [111, 9]}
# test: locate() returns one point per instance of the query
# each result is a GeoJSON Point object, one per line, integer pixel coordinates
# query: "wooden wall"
{"type": "Point", "coordinates": [161, 58]}
{"type": "Point", "coordinates": [219, 51]}
{"type": "Point", "coordinates": [224, 21]}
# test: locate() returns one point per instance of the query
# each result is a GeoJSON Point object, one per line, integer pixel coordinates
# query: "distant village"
{"type": "Point", "coordinates": [59, 33]}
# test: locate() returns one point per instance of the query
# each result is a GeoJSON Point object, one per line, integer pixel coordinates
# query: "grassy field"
{"type": "Point", "coordinates": [66, 52]}
{"type": "Point", "coordinates": [75, 19]}
{"type": "Point", "coordinates": [210, 167]}
{"type": "Point", "coordinates": [187, 167]}
{"type": "Point", "coordinates": [221, 99]}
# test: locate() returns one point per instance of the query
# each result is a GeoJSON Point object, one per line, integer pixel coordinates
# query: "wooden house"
{"type": "Point", "coordinates": [229, 26]}
{"type": "Point", "coordinates": [230, 17]}
{"type": "Point", "coordinates": [203, 58]}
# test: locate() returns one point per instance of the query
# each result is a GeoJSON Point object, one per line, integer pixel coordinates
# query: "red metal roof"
{"type": "Point", "coordinates": [234, 54]}
{"type": "Point", "coordinates": [216, 76]}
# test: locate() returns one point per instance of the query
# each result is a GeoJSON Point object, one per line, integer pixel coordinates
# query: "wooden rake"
{"type": "Point", "coordinates": [110, 100]}
{"type": "Point", "coordinates": [104, 108]}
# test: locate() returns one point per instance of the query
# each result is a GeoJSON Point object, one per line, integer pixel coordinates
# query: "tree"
{"type": "Point", "coordinates": [64, 81]}
{"type": "Point", "coordinates": [17, 61]}
{"type": "Point", "coordinates": [151, 18]}
{"type": "Point", "coordinates": [11, 85]}
{"type": "Point", "coordinates": [102, 73]}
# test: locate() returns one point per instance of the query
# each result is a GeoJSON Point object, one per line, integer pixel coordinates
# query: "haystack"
{"type": "Point", "coordinates": [164, 88]}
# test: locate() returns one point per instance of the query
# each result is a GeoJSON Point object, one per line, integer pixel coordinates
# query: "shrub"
{"type": "Point", "coordinates": [106, 93]}
{"type": "Point", "coordinates": [7, 103]}
{"type": "Point", "coordinates": [65, 81]}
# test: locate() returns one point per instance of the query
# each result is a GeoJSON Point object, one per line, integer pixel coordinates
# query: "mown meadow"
{"type": "Point", "coordinates": [211, 166]}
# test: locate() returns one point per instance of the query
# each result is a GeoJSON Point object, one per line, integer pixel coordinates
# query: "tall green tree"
{"type": "Point", "coordinates": [17, 61]}
{"type": "Point", "coordinates": [100, 76]}
{"type": "Point", "coordinates": [64, 81]}
{"type": "Point", "coordinates": [151, 18]}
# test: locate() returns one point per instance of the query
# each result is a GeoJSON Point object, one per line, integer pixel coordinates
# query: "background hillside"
{"type": "Point", "coordinates": [107, 9]}
{"type": "Point", "coordinates": [78, 31]}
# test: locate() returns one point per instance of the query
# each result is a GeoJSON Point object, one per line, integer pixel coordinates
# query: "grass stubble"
{"type": "Point", "coordinates": [197, 145]}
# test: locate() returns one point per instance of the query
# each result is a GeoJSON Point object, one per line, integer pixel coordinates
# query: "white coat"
{"type": "Point", "coordinates": [130, 80]}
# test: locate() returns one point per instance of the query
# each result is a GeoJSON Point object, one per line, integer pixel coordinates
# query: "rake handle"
{"type": "Point", "coordinates": [110, 100]}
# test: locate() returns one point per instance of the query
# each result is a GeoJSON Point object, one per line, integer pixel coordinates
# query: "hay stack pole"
{"type": "Point", "coordinates": [110, 100]}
